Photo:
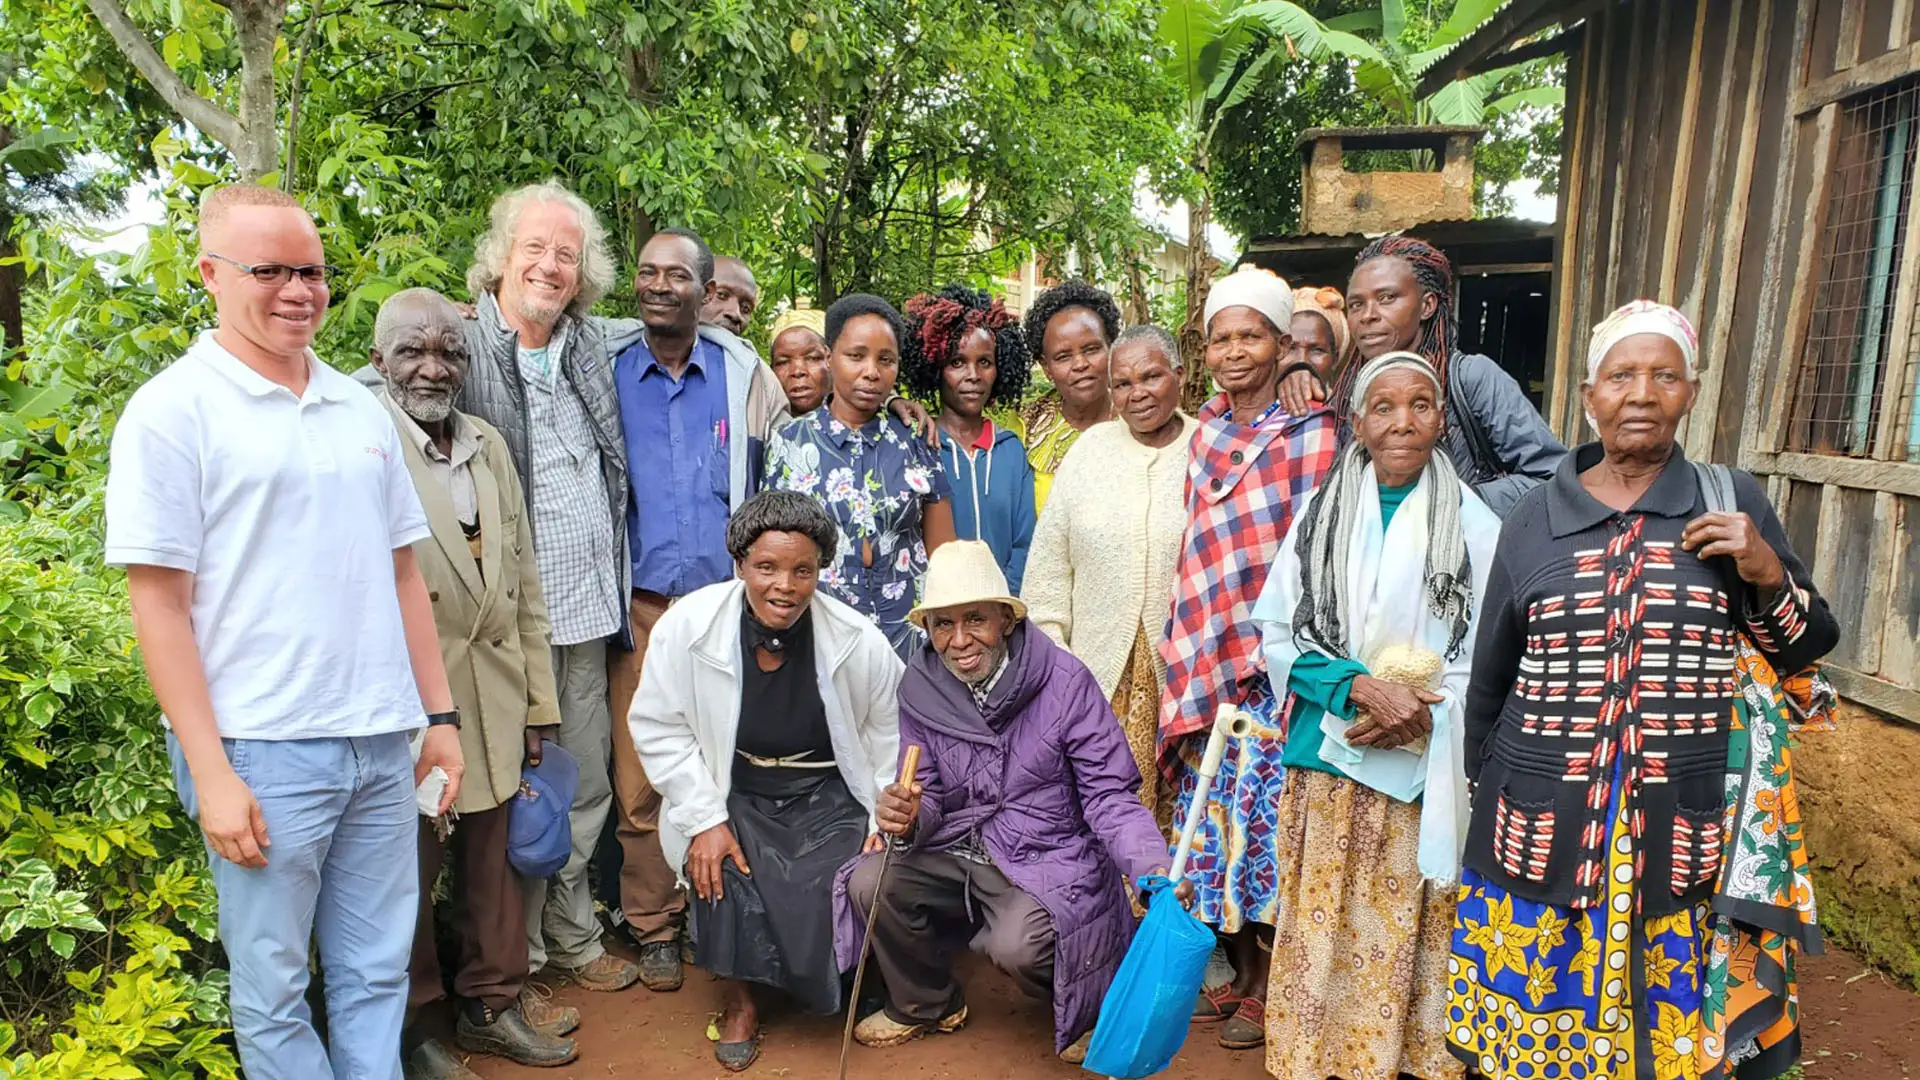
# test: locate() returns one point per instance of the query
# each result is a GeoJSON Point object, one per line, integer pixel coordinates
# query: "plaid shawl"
{"type": "Point", "coordinates": [1243, 484]}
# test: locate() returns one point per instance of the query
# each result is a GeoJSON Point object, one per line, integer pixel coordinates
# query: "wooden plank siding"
{"type": "Point", "coordinates": [1701, 142]}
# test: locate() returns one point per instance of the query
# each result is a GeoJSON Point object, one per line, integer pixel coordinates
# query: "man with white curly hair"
{"type": "Point", "coordinates": [542, 375]}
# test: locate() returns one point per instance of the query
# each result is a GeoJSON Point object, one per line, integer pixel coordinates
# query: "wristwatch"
{"type": "Point", "coordinates": [451, 717]}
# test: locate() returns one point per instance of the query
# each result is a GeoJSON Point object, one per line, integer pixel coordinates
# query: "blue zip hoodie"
{"type": "Point", "coordinates": [993, 498]}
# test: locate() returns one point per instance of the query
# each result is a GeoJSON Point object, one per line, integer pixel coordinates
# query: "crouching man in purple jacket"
{"type": "Point", "coordinates": [1021, 833]}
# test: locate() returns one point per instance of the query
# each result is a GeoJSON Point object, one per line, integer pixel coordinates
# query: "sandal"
{"type": "Point", "coordinates": [1216, 1004]}
{"type": "Point", "coordinates": [1246, 1029]}
{"type": "Point", "coordinates": [733, 1056]}
{"type": "Point", "coordinates": [736, 1056]}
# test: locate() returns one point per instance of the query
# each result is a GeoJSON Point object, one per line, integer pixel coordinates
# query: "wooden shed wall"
{"type": "Point", "coordinates": [1701, 143]}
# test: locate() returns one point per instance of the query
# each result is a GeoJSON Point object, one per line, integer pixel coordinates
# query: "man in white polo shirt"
{"type": "Point", "coordinates": [260, 504]}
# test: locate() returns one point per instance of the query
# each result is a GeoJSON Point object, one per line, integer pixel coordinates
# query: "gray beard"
{"type": "Point", "coordinates": [427, 408]}
{"type": "Point", "coordinates": [536, 312]}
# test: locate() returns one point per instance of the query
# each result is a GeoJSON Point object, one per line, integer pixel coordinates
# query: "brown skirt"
{"type": "Point", "coordinates": [1358, 987]}
{"type": "Point", "coordinates": [1136, 701]}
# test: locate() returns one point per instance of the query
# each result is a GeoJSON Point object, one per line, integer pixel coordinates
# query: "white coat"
{"type": "Point", "coordinates": [686, 713]}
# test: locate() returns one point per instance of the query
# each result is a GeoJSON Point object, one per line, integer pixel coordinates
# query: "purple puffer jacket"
{"type": "Point", "coordinates": [1046, 777]}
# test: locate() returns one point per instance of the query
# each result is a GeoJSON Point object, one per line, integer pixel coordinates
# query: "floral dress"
{"type": "Point", "coordinates": [874, 482]}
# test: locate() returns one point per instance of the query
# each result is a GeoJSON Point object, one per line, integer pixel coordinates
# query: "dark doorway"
{"type": "Point", "coordinates": [1504, 316]}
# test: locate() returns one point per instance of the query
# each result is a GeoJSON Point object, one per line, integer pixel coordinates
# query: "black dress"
{"type": "Point", "coordinates": [797, 823]}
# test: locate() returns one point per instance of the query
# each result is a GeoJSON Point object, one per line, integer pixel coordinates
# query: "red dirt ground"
{"type": "Point", "coordinates": [1858, 1025]}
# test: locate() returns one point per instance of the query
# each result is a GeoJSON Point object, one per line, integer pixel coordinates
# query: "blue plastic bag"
{"type": "Point", "coordinates": [1144, 1018]}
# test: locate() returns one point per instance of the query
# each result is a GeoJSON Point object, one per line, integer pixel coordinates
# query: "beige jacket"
{"type": "Point", "coordinates": [1106, 546]}
{"type": "Point", "coordinates": [491, 618]}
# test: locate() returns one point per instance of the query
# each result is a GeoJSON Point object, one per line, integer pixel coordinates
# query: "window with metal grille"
{"type": "Point", "coordinates": [1845, 366]}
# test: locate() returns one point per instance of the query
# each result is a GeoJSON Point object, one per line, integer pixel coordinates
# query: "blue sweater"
{"type": "Point", "coordinates": [993, 498]}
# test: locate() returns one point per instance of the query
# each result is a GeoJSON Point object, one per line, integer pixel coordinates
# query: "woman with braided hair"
{"type": "Point", "coordinates": [1401, 298]}
{"type": "Point", "coordinates": [965, 353]}
{"type": "Point", "coordinates": [1367, 624]}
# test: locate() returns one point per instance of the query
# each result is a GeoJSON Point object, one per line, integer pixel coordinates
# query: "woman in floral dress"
{"type": "Point", "coordinates": [882, 484]}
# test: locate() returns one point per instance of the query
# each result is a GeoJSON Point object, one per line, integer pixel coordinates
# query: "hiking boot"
{"type": "Point", "coordinates": [507, 1034]}
{"type": "Point", "coordinates": [660, 966]}
{"type": "Point", "coordinates": [881, 1031]}
{"type": "Point", "coordinates": [606, 975]}
{"type": "Point", "coordinates": [536, 1004]}
{"type": "Point", "coordinates": [431, 1060]}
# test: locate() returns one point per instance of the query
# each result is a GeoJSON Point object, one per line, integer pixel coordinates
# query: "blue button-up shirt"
{"type": "Point", "coordinates": [678, 446]}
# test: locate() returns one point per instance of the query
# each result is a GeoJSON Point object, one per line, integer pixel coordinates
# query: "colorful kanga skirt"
{"type": "Point", "coordinates": [1235, 861]}
{"type": "Point", "coordinates": [1551, 992]}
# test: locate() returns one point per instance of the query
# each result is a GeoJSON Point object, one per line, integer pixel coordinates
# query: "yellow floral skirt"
{"type": "Point", "coordinates": [1136, 701]}
{"type": "Point", "coordinates": [1355, 989]}
{"type": "Point", "coordinates": [1549, 992]}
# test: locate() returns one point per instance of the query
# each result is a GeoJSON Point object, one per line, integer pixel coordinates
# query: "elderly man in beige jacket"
{"type": "Point", "coordinates": [492, 623]}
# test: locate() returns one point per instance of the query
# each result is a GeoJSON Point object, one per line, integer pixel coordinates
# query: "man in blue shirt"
{"type": "Point", "coordinates": [696, 405]}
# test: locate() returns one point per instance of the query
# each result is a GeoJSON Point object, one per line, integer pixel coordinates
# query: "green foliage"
{"type": "Point", "coordinates": [105, 913]}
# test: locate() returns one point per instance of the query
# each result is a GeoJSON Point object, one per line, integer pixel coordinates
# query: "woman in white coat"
{"type": "Point", "coordinates": [767, 719]}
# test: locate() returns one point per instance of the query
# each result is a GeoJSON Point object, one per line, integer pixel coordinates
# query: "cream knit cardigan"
{"type": "Point", "coordinates": [1105, 549]}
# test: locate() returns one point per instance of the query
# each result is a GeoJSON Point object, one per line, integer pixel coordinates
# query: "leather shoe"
{"type": "Point", "coordinates": [431, 1060]}
{"type": "Point", "coordinates": [660, 966]}
{"type": "Point", "coordinates": [507, 1034]}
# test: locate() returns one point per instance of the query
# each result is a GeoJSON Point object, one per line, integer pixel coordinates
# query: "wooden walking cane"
{"type": "Point", "coordinates": [909, 768]}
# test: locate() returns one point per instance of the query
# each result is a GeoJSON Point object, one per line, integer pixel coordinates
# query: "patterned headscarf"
{"type": "Point", "coordinates": [1642, 317]}
{"type": "Point", "coordinates": [1327, 533]}
{"type": "Point", "coordinates": [812, 318]}
{"type": "Point", "coordinates": [1328, 303]}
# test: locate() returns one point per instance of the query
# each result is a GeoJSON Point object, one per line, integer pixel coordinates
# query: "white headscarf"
{"type": "Point", "coordinates": [1641, 317]}
{"type": "Point", "coordinates": [1380, 365]}
{"type": "Point", "coordinates": [1262, 290]}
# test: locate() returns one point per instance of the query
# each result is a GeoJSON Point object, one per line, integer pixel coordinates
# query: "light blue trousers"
{"type": "Point", "coordinates": [342, 867]}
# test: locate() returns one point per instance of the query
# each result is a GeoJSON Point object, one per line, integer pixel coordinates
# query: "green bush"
{"type": "Point", "coordinates": [106, 912]}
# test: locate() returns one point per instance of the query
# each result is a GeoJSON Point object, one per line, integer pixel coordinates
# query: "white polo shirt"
{"type": "Point", "coordinates": [287, 511]}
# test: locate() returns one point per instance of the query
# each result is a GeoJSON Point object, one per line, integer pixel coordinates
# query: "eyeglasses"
{"type": "Point", "coordinates": [274, 275]}
{"type": "Point", "coordinates": [536, 250]}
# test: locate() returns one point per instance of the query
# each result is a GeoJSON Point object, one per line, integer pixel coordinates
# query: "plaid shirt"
{"type": "Point", "coordinates": [573, 541]}
{"type": "Point", "coordinates": [1243, 483]}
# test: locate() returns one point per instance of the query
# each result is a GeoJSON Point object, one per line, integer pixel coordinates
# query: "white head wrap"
{"type": "Point", "coordinates": [1385, 362]}
{"type": "Point", "coordinates": [1262, 290]}
{"type": "Point", "coordinates": [1642, 317]}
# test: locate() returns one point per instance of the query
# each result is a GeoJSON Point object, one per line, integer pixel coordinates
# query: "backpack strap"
{"type": "Point", "coordinates": [1486, 459]}
{"type": "Point", "coordinates": [1716, 486]}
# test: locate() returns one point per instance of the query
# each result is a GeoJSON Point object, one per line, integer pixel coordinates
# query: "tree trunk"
{"type": "Point", "coordinates": [1200, 270]}
{"type": "Point", "coordinates": [1139, 303]}
{"type": "Point", "coordinates": [12, 274]}
{"type": "Point", "coordinates": [252, 136]}
{"type": "Point", "coordinates": [12, 282]}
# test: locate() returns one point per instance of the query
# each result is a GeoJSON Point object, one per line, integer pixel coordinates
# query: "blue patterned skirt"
{"type": "Point", "coordinates": [1235, 863]}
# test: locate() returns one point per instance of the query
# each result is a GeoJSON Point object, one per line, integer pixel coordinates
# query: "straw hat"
{"type": "Point", "coordinates": [963, 572]}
